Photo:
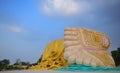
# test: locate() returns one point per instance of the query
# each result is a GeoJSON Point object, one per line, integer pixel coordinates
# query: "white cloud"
{"type": "Point", "coordinates": [65, 7]}
{"type": "Point", "coordinates": [46, 10]}
{"type": "Point", "coordinates": [12, 28]}
{"type": "Point", "coordinates": [72, 7]}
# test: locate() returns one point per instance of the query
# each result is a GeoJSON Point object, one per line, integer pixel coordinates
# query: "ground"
{"type": "Point", "coordinates": [46, 71]}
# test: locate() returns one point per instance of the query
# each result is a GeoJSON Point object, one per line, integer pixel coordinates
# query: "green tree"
{"type": "Point", "coordinates": [18, 62]}
{"type": "Point", "coordinates": [39, 60]}
{"type": "Point", "coordinates": [4, 64]}
{"type": "Point", "coordinates": [118, 49]}
{"type": "Point", "coordinates": [116, 56]}
{"type": "Point", "coordinates": [25, 63]}
{"type": "Point", "coordinates": [6, 61]}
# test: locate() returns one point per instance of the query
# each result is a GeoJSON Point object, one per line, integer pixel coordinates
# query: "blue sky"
{"type": "Point", "coordinates": [27, 26]}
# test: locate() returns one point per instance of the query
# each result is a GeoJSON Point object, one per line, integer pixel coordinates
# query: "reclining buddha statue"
{"type": "Point", "coordinates": [79, 46]}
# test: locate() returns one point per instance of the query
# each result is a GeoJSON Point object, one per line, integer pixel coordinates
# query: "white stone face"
{"type": "Point", "coordinates": [77, 51]}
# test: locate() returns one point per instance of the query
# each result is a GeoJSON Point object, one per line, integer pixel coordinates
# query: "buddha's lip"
{"type": "Point", "coordinates": [92, 48]}
{"type": "Point", "coordinates": [87, 48]}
